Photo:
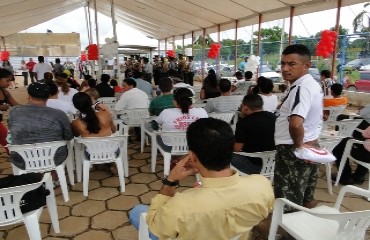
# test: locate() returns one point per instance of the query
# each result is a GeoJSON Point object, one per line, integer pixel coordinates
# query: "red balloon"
{"type": "Point", "coordinates": [83, 57]}
{"type": "Point", "coordinates": [4, 55]}
{"type": "Point", "coordinates": [93, 52]}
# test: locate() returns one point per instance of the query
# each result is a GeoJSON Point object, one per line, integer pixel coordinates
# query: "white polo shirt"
{"type": "Point", "coordinates": [305, 99]}
{"type": "Point", "coordinates": [131, 99]}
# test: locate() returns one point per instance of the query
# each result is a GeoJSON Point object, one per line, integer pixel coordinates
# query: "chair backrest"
{"type": "Point", "coordinates": [133, 117]}
{"type": "Point", "coordinates": [38, 157]}
{"type": "Point", "coordinates": [334, 112]}
{"type": "Point", "coordinates": [178, 140]}
{"type": "Point", "coordinates": [10, 200]}
{"type": "Point", "coordinates": [121, 128]}
{"type": "Point", "coordinates": [268, 162]}
{"type": "Point", "coordinates": [103, 149]}
{"type": "Point", "coordinates": [329, 143]}
{"type": "Point", "coordinates": [346, 127]}
{"type": "Point", "coordinates": [226, 116]}
{"type": "Point", "coordinates": [109, 101]}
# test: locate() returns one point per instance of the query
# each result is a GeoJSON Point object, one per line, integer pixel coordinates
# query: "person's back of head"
{"type": "Point", "coordinates": [93, 93]}
{"type": "Point", "coordinates": [40, 59]}
{"type": "Point", "coordinates": [130, 82]}
{"type": "Point", "coordinates": [212, 141]}
{"type": "Point", "coordinates": [104, 78]}
{"type": "Point", "coordinates": [137, 74]}
{"type": "Point", "coordinates": [253, 102]}
{"type": "Point", "coordinates": [87, 77]}
{"type": "Point", "coordinates": [113, 83]}
{"type": "Point", "coordinates": [53, 89]}
{"type": "Point", "coordinates": [248, 75]}
{"type": "Point", "coordinates": [299, 49]}
{"type": "Point", "coordinates": [91, 83]}
{"type": "Point", "coordinates": [39, 91]}
{"type": "Point", "coordinates": [61, 81]}
{"type": "Point", "coordinates": [165, 84]}
{"type": "Point", "coordinates": [184, 99]}
{"type": "Point", "coordinates": [4, 73]}
{"type": "Point", "coordinates": [325, 73]}
{"type": "Point", "coordinates": [224, 85]}
{"type": "Point", "coordinates": [265, 85]}
{"type": "Point", "coordinates": [83, 103]}
{"type": "Point", "coordinates": [57, 60]}
{"type": "Point", "coordinates": [336, 89]}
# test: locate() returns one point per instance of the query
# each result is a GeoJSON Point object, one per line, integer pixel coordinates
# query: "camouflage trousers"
{"type": "Point", "coordinates": [294, 179]}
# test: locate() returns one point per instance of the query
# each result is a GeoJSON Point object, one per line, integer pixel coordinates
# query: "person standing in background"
{"type": "Point", "coordinates": [30, 66]}
{"type": "Point", "coordinates": [24, 69]}
{"type": "Point", "coordinates": [41, 67]}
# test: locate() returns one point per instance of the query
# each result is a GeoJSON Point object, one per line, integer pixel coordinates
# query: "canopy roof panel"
{"type": "Point", "coordinates": [162, 19]}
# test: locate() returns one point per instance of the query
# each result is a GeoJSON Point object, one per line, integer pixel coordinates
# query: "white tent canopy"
{"type": "Point", "coordinates": [163, 19]}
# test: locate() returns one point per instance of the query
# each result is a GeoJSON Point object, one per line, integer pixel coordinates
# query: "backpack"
{"type": "Point", "coordinates": [31, 200]}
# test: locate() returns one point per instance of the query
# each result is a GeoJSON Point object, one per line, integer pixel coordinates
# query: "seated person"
{"type": "Point", "coordinates": [227, 205]}
{"type": "Point", "coordinates": [270, 100]}
{"type": "Point", "coordinates": [98, 106]}
{"type": "Point", "coordinates": [103, 88]}
{"type": "Point", "coordinates": [114, 85]}
{"type": "Point", "coordinates": [164, 101]}
{"type": "Point", "coordinates": [179, 118]}
{"type": "Point", "coordinates": [326, 81]}
{"type": "Point", "coordinates": [36, 123]}
{"type": "Point", "coordinates": [210, 86]}
{"type": "Point", "coordinates": [337, 100]}
{"type": "Point", "coordinates": [56, 103]}
{"type": "Point", "coordinates": [226, 102]}
{"type": "Point", "coordinates": [243, 85]}
{"type": "Point", "coordinates": [254, 133]}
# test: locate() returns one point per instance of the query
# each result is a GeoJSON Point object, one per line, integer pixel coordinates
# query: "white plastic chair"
{"type": "Point", "coordinates": [109, 101]}
{"type": "Point", "coordinates": [225, 116]}
{"type": "Point", "coordinates": [323, 222]}
{"type": "Point", "coordinates": [345, 128]}
{"type": "Point", "coordinates": [268, 163]}
{"type": "Point", "coordinates": [145, 131]}
{"type": "Point", "coordinates": [333, 114]}
{"type": "Point", "coordinates": [10, 212]}
{"type": "Point", "coordinates": [347, 155]}
{"type": "Point", "coordinates": [133, 117]}
{"type": "Point", "coordinates": [179, 147]}
{"type": "Point", "coordinates": [103, 150]}
{"type": "Point", "coordinates": [39, 158]}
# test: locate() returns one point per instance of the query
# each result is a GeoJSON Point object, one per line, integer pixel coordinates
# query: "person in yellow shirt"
{"type": "Point", "coordinates": [225, 205]}
{"type": "Point", "coordinates": [337, 100]}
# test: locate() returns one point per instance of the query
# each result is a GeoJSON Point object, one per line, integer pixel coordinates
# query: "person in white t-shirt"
{"type": "Point", "coordinates": [270, 100]}
{"type": "Point", "coordinates": [180, 117]}
{"type": "Point", "coordinates": [131, 97]}
{"type": "Point", "coordinates": [297, 127]}
{"type": "Point", "coordinates": [41, 67]}
{"type": "Point", "coordinates": [65, 93]}
{"type": "Point", "coordinates": [56, 103]}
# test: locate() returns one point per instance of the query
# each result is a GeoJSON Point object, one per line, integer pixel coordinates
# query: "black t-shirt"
{"type": "Point", "coordinates": [256, 131]}
{"type": "Point", "coordinates": [104, 90]}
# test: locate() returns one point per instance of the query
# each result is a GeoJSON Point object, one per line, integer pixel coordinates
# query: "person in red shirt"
{"type": "Point", "coordinates": [115, 86]}
{"type": "Point", "coordinates": [30, 66]}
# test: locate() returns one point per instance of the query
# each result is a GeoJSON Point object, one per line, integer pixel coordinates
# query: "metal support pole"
{"type": "Point", "coordinates": [192, 43]}
{"type": "Point", "coordinates": [183, 44]}
{"type": "Point", "coordinates": [339, 6]}
{"type": "Point", "coordinates": [159, 48]}
{"type": "Point", "coordinates": [99, 72]}
{"type": "Point", "coordinates": [259, 40]}
{"type": "Point", "coordinates": [203, 53]}
{"type": "Point", "coordinates": [291, 24]}
{"type": "Point", "coordinates": [219, 55]}
{"type": "Point", "coordinates": [114, 23]}
{"type": "Point", "coordinates": [236, 46]}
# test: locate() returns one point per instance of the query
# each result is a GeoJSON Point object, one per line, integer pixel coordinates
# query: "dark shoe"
{"type": "Point", "coordinates": [342, 181]}
{"type": "Point", "coordinates": [310, 204]}
{"type": "Point", "coordinates": [358, 180]}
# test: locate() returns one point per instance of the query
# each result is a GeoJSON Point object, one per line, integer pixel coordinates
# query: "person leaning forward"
{"type": "Point", "coordinates": [298, 125]}
{"type": "Point", "coordinates": [226, 205]}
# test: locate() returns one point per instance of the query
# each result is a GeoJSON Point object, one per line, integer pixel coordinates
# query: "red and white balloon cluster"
{"type": "Point", "coordinates": [326, 45]}
{"type": "Point", "coordinates": [214, 50]}
{"type": "Point", "coordinates": [171, 54]}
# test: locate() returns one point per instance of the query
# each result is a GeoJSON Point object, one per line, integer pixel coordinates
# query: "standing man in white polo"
{"type": "Point", "coordinates": [298, 126]}
{"type": "Point", "coordinates": [41, 67]}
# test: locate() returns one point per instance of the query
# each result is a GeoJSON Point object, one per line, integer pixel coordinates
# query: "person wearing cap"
{"type": "Point", "coordinates": [178, 82]}
{"type": "Point", "coordinates": [243, 65]}
{"type": "Point", "coordinates": [41, 67]}
{"type": "Point", "coordinates": [37, 123]}
{"type": "Point", "coordinates": [189, 71]}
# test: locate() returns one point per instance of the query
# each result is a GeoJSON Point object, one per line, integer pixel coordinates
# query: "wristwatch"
{"type": "Point", "coordinates": [167, 182]}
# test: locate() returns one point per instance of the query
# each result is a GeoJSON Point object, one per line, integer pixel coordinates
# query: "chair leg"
{"type": "Point", "coordinates": [63, 181]}
{"type": "Point", "coordinates": [328, 177]}
{"type": "Point", "coordinates": [52, 206]}
{"type": "Point", "coordinates": [142, 135]}
{"type": "Point", "coordinates": [78, 159]}
{"type": "Point", "coordinates": [125, 157]}
{"type": "Point", "coordinates": [86, 172]}
{"type": "Point", "coordinates": [166, 163]}
{"type": "Point", "coordinates": [33, 227]}
{"type": "Point", "coordinates": [143, 228]}
{"type": "Point", "coordinates": [154, 153]}
{"type": "Point", "coordinates": [121, 174]}
{"type": "Point", "coordinates": [70, 172]}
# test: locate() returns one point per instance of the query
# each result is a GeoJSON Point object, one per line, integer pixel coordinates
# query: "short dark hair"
{"type": "Point", "coordinates": [248, 74]}
{"type": "Point", "coordinates": [113, 82]}
{"type": "Point", "coordinates": [299, 49]}
{"type": "Point", "coordinates": [53, 89]}
{"type": "Point", "coordinates": [91, 82]}
{"type": "Point", "coordinates": [104, 78]}
{"type": "Point", "coordinates": [57, 60]}
{"type": "Point", "coordinates": [336, 89]}
{"type": "Point", "coordinates": [325, 73]}
{"type": "Point", "coordinates": [40, 59]}
{"type": "Point", "coordinates": [165, 84]}
{"type": "Point", "coordinates": [253, 101]}
{"type": "Point", "coordinates": [137, 74]}
{"type": "Point", "coordinates": [265, 85]}
{"type": "Point", "coordinates": [212, 141]}
{"type": "Point", "coordinates": [224, 85]}
{"type": "Point", "coordinates": [130, 82]}
{"type": "Point", "coordinates": [4, 73]}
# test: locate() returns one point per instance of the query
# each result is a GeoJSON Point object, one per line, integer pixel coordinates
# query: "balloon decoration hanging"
{"type": "Point", "coordinates": [326, 45]}
{"type": "Point", "coordinates": [171, 54]}
{"type": "Point", "coordinates": [92, 52]}
{"type": "Point", "coordinates": [4, 55]}
{"type": "Point", "coordinates": [214, 50]}
{"type": "Point", "coordinates": [83, 57]}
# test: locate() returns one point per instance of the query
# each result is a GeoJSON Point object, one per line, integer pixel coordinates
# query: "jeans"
{"type": "Point", "coordinates": [134, 216]}
{"type": "Point", "coordinates": [246, 164]}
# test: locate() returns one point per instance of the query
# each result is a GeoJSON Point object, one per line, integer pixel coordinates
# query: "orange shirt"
{"type": "Point", "coordinates": [332, 102]}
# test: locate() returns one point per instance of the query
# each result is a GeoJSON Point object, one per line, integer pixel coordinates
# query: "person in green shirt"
{"type": "Point", "coordinates": [164, 101]}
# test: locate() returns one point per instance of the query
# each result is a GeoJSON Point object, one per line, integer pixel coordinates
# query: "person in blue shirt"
{"type": "Point", "coordinates": [242, 66]}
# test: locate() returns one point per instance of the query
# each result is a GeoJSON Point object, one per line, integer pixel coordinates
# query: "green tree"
{"type": "Point", "coordinates": [358, 21]}
{"type": "Point", "coordinates": [270, 38]}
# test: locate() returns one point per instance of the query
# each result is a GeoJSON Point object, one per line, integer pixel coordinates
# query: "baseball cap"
{"type": "Point", "coordinates": [39, 90]}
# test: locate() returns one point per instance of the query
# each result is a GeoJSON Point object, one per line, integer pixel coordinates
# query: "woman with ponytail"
{"type": "Point", "coordinates": [180, 117]}
{"type": "Point", "coordinates": [91, 123]}
{"type": "Point", "coordinates": [65, 92]}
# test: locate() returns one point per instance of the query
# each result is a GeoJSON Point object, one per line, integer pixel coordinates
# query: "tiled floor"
{"type": "Point", "coordinates": [104, 214]}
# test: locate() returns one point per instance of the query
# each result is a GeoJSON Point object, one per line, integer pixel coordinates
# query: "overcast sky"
{"type": "Point", "coordinates": [304, 25]}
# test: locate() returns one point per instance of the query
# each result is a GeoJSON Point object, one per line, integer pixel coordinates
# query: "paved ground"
{"type": "Point", "coordinates": [104, 214]}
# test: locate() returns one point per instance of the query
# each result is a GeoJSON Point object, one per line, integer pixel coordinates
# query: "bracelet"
{"type": "Point", "coordinates": [167, 182]}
